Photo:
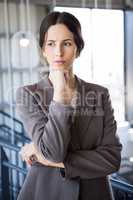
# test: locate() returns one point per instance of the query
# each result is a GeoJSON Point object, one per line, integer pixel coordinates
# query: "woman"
{"type": "Point", "coordinates": [70, 122]}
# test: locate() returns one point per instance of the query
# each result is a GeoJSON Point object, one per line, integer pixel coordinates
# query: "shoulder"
{"type": "Point", "coordinates": [36, 92]}
{"type": "Point", "coordinates": [31, 88]}
{"type": "Point", "coordinates": [97, 95]}
{"type": "Point", "coordinates": [38, 87]}
{"type": "Point", "coordinates": [24, 92]}
{"type": "Point", "coordinates": [92, 86]}
{"type": "Point", "coordinates": [94, 92]}
{"type": "Point", "coordinates": [27, 93]}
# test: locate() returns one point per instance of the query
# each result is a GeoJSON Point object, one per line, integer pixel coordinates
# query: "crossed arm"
{"type": "Point", "coordinates": [49, 133]}
{"type": "Point", "coordinates": [51, 136]}
{"type": "Point", "coordinates": [30, 154]}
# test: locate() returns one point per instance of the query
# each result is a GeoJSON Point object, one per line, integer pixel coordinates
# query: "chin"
{"type": "Point", "coordinates": [60, 67]}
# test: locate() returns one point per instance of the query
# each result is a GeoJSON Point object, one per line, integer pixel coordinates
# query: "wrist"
{"type": "Point", "coordinates": [62, 98]}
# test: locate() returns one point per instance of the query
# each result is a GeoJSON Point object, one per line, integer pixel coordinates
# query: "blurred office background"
{"type": "Point", "coordinates": [107, 59]}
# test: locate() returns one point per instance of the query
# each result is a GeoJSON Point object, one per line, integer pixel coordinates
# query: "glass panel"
{"type": "Point", "coordinates": [108, 54]}
{"type": "Point", "coordinates": [102, 61]}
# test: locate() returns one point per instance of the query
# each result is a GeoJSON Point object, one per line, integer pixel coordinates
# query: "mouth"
{"type": "Point", "coordinates": [59, 62]}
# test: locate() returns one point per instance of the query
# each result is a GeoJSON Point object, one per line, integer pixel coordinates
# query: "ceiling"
{"type": "Point", "coordinates": [115, 4]}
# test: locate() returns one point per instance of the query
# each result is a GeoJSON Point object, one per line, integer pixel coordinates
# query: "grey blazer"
{"type": "Point", "coordinates": [82, 137]}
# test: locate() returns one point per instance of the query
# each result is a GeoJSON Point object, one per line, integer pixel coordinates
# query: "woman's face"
{"type": "Point", "coordinates": [59, 47]}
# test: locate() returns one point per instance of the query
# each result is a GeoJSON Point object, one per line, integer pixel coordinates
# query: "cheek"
{"type": "Point", "coordinates": [48, 54]}
{"type": "Point", "coordinates": [73, 55]}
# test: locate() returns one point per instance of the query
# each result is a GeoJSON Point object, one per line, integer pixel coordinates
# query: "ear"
{"type": "Point", "coordinates": [45, 58]}
{"type": "Point", "coordinates": [44, 54]}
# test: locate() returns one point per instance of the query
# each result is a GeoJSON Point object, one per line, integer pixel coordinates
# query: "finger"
{"type": "Point", "coordinates": [33, 158]}
{"type": "Point", "coordinates": [56, 69]}
{"type": "Point", "coordinates": [58, 77]}
{"type": "Point", "coordinates": [29, 162]}
{"type": "Point", "coordinates": [27, 149]}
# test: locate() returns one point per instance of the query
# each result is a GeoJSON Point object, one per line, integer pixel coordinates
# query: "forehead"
{"type": "Point", "coordinates": [58, 32]}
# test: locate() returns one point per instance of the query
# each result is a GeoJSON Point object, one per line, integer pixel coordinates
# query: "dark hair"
{"type": "Point", "coordinates": [67, 19]}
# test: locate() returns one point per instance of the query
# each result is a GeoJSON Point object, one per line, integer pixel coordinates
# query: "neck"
{"type": "Point", "coordinates": [72, 79]}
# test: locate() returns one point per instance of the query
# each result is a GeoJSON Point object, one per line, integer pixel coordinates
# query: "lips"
{"type": "Point", "coordinates": [59, 61]}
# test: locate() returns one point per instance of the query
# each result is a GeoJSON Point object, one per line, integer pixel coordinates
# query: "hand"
{"type": "Point", "coordinates": [27, 151]}
{"type": "Point", "coordinates": [30, 154]}
{"type": "Point", "coordinates": [64, 85]}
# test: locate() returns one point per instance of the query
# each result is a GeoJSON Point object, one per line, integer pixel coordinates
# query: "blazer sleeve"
{"type": "Point", "coordinates": [105, 158]}
{"type": "Point", "coordinates": [49, 131]}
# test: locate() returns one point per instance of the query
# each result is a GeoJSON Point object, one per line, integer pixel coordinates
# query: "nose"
{"type": "Point", "coordinates": [58, 50]}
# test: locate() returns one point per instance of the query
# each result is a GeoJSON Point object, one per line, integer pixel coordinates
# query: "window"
{"type": "Point", "coordinates": [102, 60]}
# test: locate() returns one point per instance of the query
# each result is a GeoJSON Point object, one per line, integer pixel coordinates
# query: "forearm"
{"type": "Point", "coordinates": [51, 132]}
{"type": "Point", "coordinates": [93, 163]}
{"type": "Point", "coordinates": [30, 154]}
{"type": "Point", "coordinates": [46, 162]}
{"type": "Point", "coordinates": [55, 136]}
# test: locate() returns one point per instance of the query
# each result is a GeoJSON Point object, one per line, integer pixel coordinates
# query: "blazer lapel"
{"type": "Point", "coordinates": [84, 110]}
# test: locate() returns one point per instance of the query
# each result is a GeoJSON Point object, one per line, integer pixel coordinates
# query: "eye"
{"type": "Point", "coordinates": [50, 44]}
{"type": "Point", "coordinates": [67, 44]}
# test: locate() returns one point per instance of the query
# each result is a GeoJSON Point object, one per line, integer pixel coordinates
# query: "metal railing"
{"type": "Point", "coordinates": [5, 118]}
{"type": "Point", "coordinates": [12, 171]}
{"type": "Point", "coordinates": [12, 168]}
{"type": "Point", "coordinates": [121, 190]}
{"type": "Point", "coordinates": [5, 133]}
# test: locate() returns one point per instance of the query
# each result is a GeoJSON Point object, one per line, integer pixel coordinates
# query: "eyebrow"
{"type": "Point", "coordinates": [62, 40]}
